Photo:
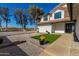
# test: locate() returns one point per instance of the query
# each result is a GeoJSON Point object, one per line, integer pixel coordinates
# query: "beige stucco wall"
{"type": "Point", "coordinates": [77, 26]}
{"type": "Point", "coordinates": [75, 10]}
{"type": "Point", "coordinates": [76, 17]}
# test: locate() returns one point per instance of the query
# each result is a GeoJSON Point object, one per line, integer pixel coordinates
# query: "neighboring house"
{"type": "Point", "coordinates": [74, 14]}
{"type": "Point", "coordinates": [57, 21]}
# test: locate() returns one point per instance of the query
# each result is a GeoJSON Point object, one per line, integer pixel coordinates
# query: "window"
{"type": "Point", "coordinates": [57, 15]}
{"type": "Point", "coordinates": [45, 18]}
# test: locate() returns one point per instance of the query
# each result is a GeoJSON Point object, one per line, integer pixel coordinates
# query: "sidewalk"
{"type": "Point", "coordinates": [61, 47]}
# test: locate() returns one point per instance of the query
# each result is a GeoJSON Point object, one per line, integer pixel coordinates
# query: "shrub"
{"type": "Point", "coordinates": [47, 32]}
{"type": "Point", "coordinates": [42, 37]}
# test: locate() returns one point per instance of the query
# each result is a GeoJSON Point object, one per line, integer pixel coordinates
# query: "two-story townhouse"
{"type": "Point", "coordinates": [57, 21]}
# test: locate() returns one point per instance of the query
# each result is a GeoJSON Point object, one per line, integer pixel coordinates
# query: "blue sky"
{"type": "Point", "coordinates": [47, 7]}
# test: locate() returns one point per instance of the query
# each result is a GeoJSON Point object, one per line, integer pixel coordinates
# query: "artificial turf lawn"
{"type": "Point", "coordinates": [49, 37]}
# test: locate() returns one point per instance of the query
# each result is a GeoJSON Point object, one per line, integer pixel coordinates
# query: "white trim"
{"type": "Point", "coordinates": [42, 19]}
{"type": "Point", "coordinates": [62, 13]}
{"type": "Point", "coordinates": [58, 31]}
{"type": "Point", "coordinates": [48, 17]}
{"type": "Point", "coordinates": [53, 14]}
{"type": "Point", "coordinates": [65, 5]}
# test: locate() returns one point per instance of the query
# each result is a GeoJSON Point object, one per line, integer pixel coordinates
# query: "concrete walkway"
{"type": "Point", "coordinates": [74, 48]}
{"type": "Point", "coordinates": [61, 47]}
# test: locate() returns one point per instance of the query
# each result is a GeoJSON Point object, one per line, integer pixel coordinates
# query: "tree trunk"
{"type": "Point", "coordinates": [36, 25]}
{"type": "Point", "coordinates": [0, 25]}
{"type": "Point", "coordinates": [24, 26]}
{"type": "Point", "coordinates": [6, 26]}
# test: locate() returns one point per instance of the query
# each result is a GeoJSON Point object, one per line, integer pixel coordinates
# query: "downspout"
{"type": "Point", "coordinates": [70, 5]}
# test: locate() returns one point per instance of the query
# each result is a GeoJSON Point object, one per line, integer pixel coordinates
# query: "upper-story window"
{"type": "Point", "coordinates": [58, 14]}
{"type": "Point", "coordinates": [45, 18]}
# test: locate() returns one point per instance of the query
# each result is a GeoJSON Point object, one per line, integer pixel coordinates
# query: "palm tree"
{"type": "Point", "coordinates": [20, 17]}
{"type": "Point", "coordinates": [4, 13]}
{"type": "Point", "coordinates": [34, 14]}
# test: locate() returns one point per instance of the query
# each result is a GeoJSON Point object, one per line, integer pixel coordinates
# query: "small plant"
{"type": "Point", "coordinates": [42, 39]}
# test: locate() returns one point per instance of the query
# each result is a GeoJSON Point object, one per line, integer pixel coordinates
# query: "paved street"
{"type": "Point", "coordinates": [14, 33]}
{"type": "Point", "coordinates": [30, 47]}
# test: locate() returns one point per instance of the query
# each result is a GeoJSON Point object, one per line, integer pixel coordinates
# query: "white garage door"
{"type": "Point", "coordinates": [45, 28]}
{"type": "Point", "coordinates": [59, 27]}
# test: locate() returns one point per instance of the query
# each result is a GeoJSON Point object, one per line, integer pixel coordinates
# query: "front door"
{"type": "Point", "coordinates": [69, 27]}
